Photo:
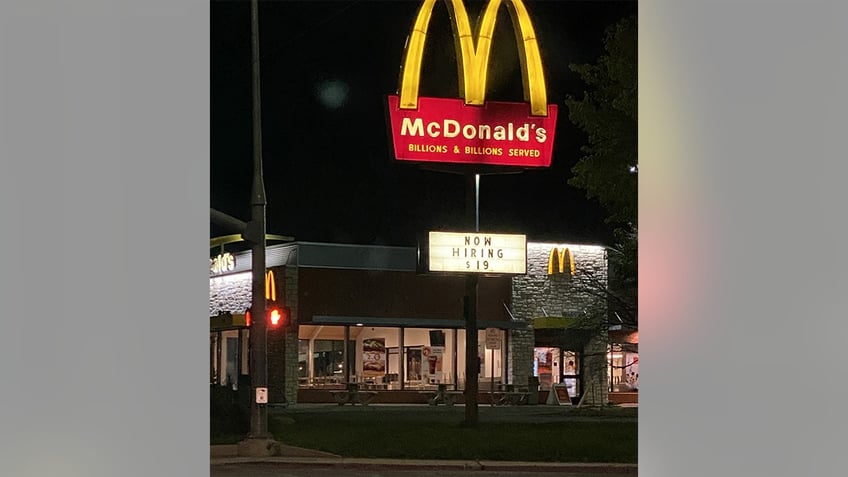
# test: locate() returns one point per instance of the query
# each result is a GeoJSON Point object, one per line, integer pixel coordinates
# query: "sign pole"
{"type": "Point", "coordinates": [476, 202]}
{"type": "Point", "coordinates": [258, 338]}
{"type": "Point", "coordinates": [259, 441]}
{"type": "Point", "coordinates": [472, 360]}
{"type": "Point", "coordinates": [492, 359]}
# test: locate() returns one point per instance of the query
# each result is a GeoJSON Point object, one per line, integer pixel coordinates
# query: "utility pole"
{"type": "Point", "coordinates": [259, 441]}
{"type": "Point", "coordinates": [256, 233]}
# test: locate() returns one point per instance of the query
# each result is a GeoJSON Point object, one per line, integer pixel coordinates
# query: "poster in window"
{"type": "Point", "coordinates": [432, 364]}
{"type": "Point", "coordinates": [373, 357]}
{"type": "Point", "coordinates": [413, 364]}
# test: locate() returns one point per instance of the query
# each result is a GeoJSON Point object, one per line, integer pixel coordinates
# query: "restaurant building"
{"type": "Point", "coordinates": [364, 314]}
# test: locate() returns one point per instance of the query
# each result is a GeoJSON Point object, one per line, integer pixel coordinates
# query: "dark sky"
{"type": "Point", "coordinates": [326, 69]}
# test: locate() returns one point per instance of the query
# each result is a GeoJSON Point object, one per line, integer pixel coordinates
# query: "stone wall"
{"type": "Point", "coordinates": [537, 294]}
{"type": "Point", "coordinates": [233, 293]}
{"type": "Point", "coordinates": [229, 293]}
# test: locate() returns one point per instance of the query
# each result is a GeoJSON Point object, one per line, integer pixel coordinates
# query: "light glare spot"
{"type": "Point", "coordinates": [332, 94]}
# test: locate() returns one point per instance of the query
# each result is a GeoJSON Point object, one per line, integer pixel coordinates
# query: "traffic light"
{"type": "Point", "coordinates": [277, 316]}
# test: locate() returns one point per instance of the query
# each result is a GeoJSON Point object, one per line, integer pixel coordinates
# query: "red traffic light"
{"type": "Point", "coordinates": [278, 316]}
{"type": "Point", "coordinates": [274, 316]}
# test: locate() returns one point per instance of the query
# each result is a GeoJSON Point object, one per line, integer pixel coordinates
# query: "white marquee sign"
{"type": "Point", "coordinates": [477, 252]}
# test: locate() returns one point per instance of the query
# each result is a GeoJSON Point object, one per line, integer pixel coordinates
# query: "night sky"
{"type": "Point", "coordinates": [326, 69]}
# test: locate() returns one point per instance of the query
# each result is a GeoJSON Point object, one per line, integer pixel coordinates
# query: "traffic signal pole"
{"type": "Point", "coordinates": [256, 233]}
{"type": "Point", "coordinates": [259, 441]}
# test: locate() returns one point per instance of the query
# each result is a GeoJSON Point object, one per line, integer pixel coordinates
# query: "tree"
{"type": "Point", "coordinates": [608, 172]}
{"type": "Point", "coordinates": [608, 115]}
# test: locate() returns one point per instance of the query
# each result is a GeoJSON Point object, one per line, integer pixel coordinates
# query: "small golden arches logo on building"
{"type": "Point", "coordinates": [560, 260]}
{"type": "Point", "coordinates": [270, 286]}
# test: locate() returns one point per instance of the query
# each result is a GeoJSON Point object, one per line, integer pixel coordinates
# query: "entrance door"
{"type": "Point", "coordinates": [555, 366]}
{"type": "Point", "coordinates": [571, 372]}
{"type": "Point", "coordinates": [545, 363]}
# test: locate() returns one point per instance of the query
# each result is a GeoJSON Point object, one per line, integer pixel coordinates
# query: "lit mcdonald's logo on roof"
{"type": "Point", "coordinates": [224, 262]}
{"type": "Point", "coordinates": [560, 260]}
{"type": "Point", "coordinates": [472, 130]}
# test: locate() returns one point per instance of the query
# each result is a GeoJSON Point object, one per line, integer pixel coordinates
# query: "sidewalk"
{"type": "Point", "coordinates": [300, 457]}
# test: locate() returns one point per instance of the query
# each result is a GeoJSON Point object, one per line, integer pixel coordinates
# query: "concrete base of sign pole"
{"type": "Point", "coordinates": [258, 447]}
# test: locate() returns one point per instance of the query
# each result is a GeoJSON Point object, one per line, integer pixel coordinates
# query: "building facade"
{"type": "Point", "coordinates": [363, 314]}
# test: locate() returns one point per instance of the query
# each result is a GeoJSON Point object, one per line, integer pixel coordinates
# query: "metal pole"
{"type": "Point", "coordinates": [454, 358]}
{"type": "Point", "coordinates": [347, 363]}
{"type": "Point", "coordinates": [401, 359]}
{"type": "Point", "coordinates": [493, 372]}
{"type": "Point", "coordinates": [258, 333]}
{"type": "Point", "coordinates": [476, 202]}
{"type": "Point", "coordinates": [472, 360]}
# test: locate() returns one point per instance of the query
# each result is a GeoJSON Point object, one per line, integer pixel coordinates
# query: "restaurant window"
{"type": "Point", "coordinates": [302, 359]}
{"type": "Point", "coordinates": [623, 365]}
{"type": "Point", "coordinates": [545, 366]}
{"type": "Point", "coordinates": [328, 358]}
{"type": "Point", "coordinates": [393, 368]}
{"type": "Point", "coordinates": [571, 372]}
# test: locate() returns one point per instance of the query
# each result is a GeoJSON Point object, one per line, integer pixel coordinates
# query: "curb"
{"type": "Point", "coordinates": [439, 465]}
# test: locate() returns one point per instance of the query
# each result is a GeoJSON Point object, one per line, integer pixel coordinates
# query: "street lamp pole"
{"type": "Point", "coordinates": [256, 234]}
{"type": "Point", "coordinates": [472, 361]}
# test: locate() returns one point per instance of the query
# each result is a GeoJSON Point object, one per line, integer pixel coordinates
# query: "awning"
{"type": "Point", "coordinates": [409, 322]}
{"type": "Point", "coordinates": [553, 322]}
{"type": "Point", "coordinates": [227, 321]}
{"type": "Point", "coordinates": [561, 332]}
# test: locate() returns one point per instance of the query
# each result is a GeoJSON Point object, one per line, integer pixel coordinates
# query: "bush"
{"type": "Point", "coordinates": [227, 415]}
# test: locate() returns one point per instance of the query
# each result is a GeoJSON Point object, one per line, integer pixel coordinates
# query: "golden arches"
{"type": "Point", "coordinates": [560, 260]}
{"type": "Point", "coordinates": [270, 286]}
{"type": "Point", "coordinates": [473, 59]}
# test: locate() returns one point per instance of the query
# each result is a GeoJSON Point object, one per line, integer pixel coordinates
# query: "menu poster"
{"type": "Point", "coordinates": [433, 357]}
{"type": "Point", "coordinates": [373, 357]}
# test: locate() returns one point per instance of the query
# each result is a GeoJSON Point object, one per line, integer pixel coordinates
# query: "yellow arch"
{"type": "Point", "coordinates": [554, 262]}
{"type": "Point", "coordinates": [473, 59]}
{"type": "Point", "coordinates": [566, 258]}
{"type": "Point", "coordinates": [560, 260]}
{"type": "Point", "coordinates": [270, 286]}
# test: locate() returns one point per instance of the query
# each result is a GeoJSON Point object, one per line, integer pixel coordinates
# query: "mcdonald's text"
{"type": "Point", "coordinates": [225, 262]}
{"type": "Point", "coordinates": [448, 130]}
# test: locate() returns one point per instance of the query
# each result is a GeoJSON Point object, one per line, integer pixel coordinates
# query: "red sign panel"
{"type": "Point", "coordinates": [448, 130]}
